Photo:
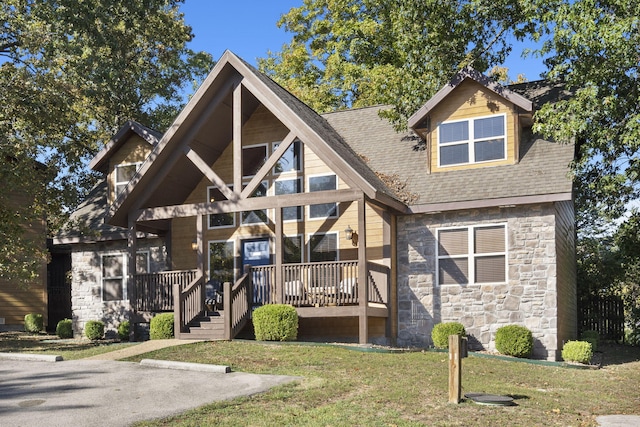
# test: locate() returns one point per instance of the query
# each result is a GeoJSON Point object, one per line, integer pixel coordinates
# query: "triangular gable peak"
{"type": "Point", "coordinates": [417, 120]}
{"type": "Point", "coordinates": [212, 122]}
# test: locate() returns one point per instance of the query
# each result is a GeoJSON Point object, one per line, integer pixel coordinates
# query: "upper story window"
{"type": "Point", "coordinates": [220, 220]}
{"type": "Point", "coordinates": [289, 186]}
{"type": "Point", "coordinates": [291, 160]}
{"type": "Point", "coordinates": [468, 255]}
{"type": "Point", "coordinates": [476, 140]}
{"type": "Point", "coordinates": [123, 174]}
{"type": "Point", "coordinates": [323, 183]}
{"type": "Point", "coordinates": [253, 157]}
{"type": "Point", "coordinates": [258, 216]}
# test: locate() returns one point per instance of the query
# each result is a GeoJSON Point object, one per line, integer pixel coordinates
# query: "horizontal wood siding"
{"type": "Point", "coordinates": [470, 100]}
{"type": "Point", "coordinates": [134, 150]}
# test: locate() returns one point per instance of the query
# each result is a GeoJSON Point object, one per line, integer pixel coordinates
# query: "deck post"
{"type": "Point", "coordinates": [363, 280]}
{"type": "Point", "coordinates": [132, 245]}
{"type": "Point", "coordinates": [228, 316]}
{"type": "Point", "coordinates": [455, 368]}
{"type": "Point", "coordinates": [200, 226]}
{"type": "Point", "coordinates": [279, 256]}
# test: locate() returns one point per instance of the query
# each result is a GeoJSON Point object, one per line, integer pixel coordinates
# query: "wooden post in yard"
{"type": "Point", "coordinates": [455, 368]}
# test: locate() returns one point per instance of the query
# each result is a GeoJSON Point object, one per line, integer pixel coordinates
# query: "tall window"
{"type": "Point", "coordinates": [222, 261]}
{"type": "Point", "coordinates": [289, 186]}
{"type": "Point", "coordinates": [323, 183]}
{"type": "Point", "coordinates": [292, 249]}
{"type": "Point", "coordinates": [220, 220]}
{"type": "Point", "coordinates": [472, 255]}
{"type": "Point", "coordinates": [258, 216]}
{"type": "Point", "coordinates": [472, 141]}
{"type": "Point", "coordinates": [253, 157]}
{"type": "Point", "coordinates": [113, 277]}
{"type": "Point", "coordinates": [291, 160]}
{"type": "Point", "coordinates": [124, 173]}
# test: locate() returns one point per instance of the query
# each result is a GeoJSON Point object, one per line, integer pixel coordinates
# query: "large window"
{"type": "Point", "coordinates": [253, 157]}
{"type": "Point", "coordinates": [323, 183]}
{"type": "Point", "coordinates": [291, 160]}
{"type": "Point", "coordinates": [289, 186]}
{"type": "Point", "coordinates": [472, 141]}
{"type": "Point", "coordinates": [222, 261]}
{"type": "Point", "coordinates": [258, 216]}
{"type": "Point", "coordinates": [113, 277]}
{"type": "Point", "coordinates": [220, 220]}
{"type": "Point", "coordinates": [472, 255]}
{"type": "Point", "coordinates": [323, 247]}
{"type": "Point", "coordinates": [124, 173]}
{"type": "Point", "coordinates": [292, 249]}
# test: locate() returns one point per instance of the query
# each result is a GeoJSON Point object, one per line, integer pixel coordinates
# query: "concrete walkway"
{"type": "Point", "coordinates": [140, 348]}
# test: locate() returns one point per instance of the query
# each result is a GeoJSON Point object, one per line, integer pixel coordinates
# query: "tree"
{"type": "Point", "coordinates": [352, 53]}
{"type": "Point", "coordinates": [72, 72]}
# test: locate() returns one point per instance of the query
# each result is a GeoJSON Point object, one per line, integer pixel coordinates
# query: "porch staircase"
{"type": "Point", "coordinates": [205, 327]}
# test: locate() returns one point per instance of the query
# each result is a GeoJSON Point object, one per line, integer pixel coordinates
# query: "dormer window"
{"type": "Point", "coordinates": [124, 173]}
{"type": "Point", "coordinates": [471, 141]}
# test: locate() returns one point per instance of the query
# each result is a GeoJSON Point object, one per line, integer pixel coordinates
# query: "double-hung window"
{"type": "Point", "coordinates": [113, 277]}
{"type": "Point", "coordinates": [476, 140]}
{"type": "Point", "coordinates": [468, 255]}
{"type": "Point", "coordinates": [123, 175]}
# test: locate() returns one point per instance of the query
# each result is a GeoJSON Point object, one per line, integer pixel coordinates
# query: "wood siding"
{"type": "Point", "coordinates": [134, 150]}
{"type": "Point", "coordinates": [263, 128]}
{"type": "Point", "coordinates": [471, 100]}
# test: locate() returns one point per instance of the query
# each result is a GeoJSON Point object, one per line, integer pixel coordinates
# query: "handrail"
{"type": "Point", "coordinates": [154, 291]}
{"type": "Point", "coordinates": [378, 282]}
{"type": "Point", "coordinates": [237, 304]}
{"type": "Point", "coordinates": [188, 303]}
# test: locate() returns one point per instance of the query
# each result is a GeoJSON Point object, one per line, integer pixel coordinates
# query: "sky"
{"type": "Point", "coordinates": [248, 29]}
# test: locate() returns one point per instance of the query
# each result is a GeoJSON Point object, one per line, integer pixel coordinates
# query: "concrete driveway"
{"type": "Point", "coordinates": [110, 393]}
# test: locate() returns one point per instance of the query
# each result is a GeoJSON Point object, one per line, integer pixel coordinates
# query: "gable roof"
{"type": "Point", "coordinates": [468, 73]}
{"type": "Point", "coordinates": [205, 125]}
{"type": "Point", "coordinates": [100, 161]}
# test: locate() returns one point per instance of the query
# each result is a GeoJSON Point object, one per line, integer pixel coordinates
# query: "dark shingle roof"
{"type": "Point", "coordinates": [543, 169]}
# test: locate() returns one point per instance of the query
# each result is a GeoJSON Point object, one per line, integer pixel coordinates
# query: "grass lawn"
{"type": "Point", "coordinates": [344, 386]}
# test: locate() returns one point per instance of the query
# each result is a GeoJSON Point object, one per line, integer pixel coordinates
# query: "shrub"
{"type": "Point", "coordinates": [64, 329]}
{"type": "Point", "coordinates": [161, 327]}
{"type": "Point", "coordinates": [275, 322]}
{"type": "Point", "coordinates": [94, 330]}
{"type": "Point", "coordinates": [440, 333]}
{"type": "Point", "coordinates": [577, 351]}
{"type": "Point", "coordinates": [514, 340]}
{"type": "Point", "coordinates": [123, 330]}
{"type": "Point", "coordinates": [33, 323]}
{"type": "Point", "coordinates": [592, 337]}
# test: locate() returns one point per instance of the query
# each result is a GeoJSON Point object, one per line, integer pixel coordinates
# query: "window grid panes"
{"type": "Point", "coordinates": [323, 183]}
{"type": "Point", "coordinates": [469, 255]}
{"type": "Point", "coordinates": [113, 268]}
{"type": "Point", "coordinates": [289, 186]}
{"type": "Point", "coordinates": [472, 141]}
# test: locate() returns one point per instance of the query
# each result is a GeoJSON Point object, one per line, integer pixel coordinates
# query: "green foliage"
{"type": "Point", "coordinates": [34, 323]}
{"type": "Point", "coordinates": [161, 326]}
{"type": "Point", "coordinates": [94, 330]}
{"type": "Point", "coordinates": [73, 72]}
{"type": "Point", "coordinates": [440, 333]}
{"type": "Point", "coordinates": [577, 351]}
{"type": "Point", "coordinates": [632, 336]}
{"type": "Point", "coordinates": [275, 322]}
{"type": "Point", "coordinates": [64, 329]}
{"type": "Point", "coordinates": [123, 330]}
{"type": "Point", "coordinates": [514, 340]}
{"type": "Point", "coordinates": [592, 337]}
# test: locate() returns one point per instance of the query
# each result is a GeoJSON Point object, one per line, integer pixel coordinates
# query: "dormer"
{"type": "Point", "coordinates": [123, 155]}
{"type": "Point", "coordinates": [472, 122]}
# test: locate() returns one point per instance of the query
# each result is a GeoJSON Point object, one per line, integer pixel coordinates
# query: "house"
{"type": "Point", "coordinates": [373, 235]}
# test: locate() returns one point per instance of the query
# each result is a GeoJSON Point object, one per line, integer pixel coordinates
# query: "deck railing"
{"type": "Point", "coordinates": [188, 302]}
{"type": "Point", "coordinates": [237, 304]}
{"type": "Point", "coordinates": [154, 291]}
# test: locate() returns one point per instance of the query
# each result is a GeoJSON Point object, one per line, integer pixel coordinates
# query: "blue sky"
{"type": "Point", "coordinates": [248, 28]}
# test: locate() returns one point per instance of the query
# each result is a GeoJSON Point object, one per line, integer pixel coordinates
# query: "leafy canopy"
{"type": "Point", "coordinates": [71, 73]}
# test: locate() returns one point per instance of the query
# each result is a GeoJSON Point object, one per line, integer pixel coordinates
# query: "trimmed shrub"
{"type": "Point", "coordinates": [94, 330]}
{"type": "Point", "coordinates": [275, 322]}
{"type": "Point", "coordinates": [64, 329]}
{"type": "Point", "coordinates": [161, 327]}
{"type": "Point", "coordinates": [514, 340]}
{"type": "Point", "coordinates": [440, 333]}
{"type": "Point", "coordinates": [592, 337]}
{"type": "Point", "coordinates": [33, 323]}
{"type": "Point", "coordinates": [577, 351]}
{"type": "Point", "coordinates": [123, 330]}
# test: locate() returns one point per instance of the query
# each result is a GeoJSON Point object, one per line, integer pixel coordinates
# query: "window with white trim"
{"type": "Point", "coordinates": [472, 255]}
{"type": "Point", "coordinates": [253, 158]}
{"type": "Point", "coordinates": [323, 247]}
{"type": "Point", "coordinates": [258, 216]}
{"type": "Point", "coordinates": [220, 220]}
{"type": "Point", "coordinates": [289, 186]}
{"type": "Point", "coordinates": [222, 261]}
{"type": "Point", "coordinates": [142, 262]}
{"type": "Point", "coordinates": [323, 183]}
{"type": "Point", "coordinates": [477, 140]}
{"type": "Point", "coordinates": [291, 160]}
{"type": "Point", "coordinates": [113, 277]}
{"type": "Point", "coordinates": [123, 175]}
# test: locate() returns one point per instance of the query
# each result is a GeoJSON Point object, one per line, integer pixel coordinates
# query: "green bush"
{"type": "Point", "coordinates": [94, 330]}
{"type": "Point", "coordinates": [161, 327]}
{"type": "Point", "coordinates": [33, 323]}
{"type": "Point", "coordinates": [123, 330]}
{"type": "Point", "coordinates": [592, 337]}
{"type": "Point", "coordinates": [577, 351]}
{"type": "Point", "coordinates": [514, 340]}
{"type": "Point", "coordinates": [64, 329]}
{"type": "Point", "coordinates": [275, 322]}
{"type": "Point", "coordinates": [440, 333]}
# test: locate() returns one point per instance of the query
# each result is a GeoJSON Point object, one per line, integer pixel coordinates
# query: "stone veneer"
{"type": "Point", "coordinates": [529, 297]}
{"type": "Point", "coordinates": [86, 286]}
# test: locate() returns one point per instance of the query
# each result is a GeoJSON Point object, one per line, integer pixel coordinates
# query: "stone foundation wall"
{"type": "Point", "coordinates": [529, 297]}
{"type": "Point", "coordinates": [86, 285]}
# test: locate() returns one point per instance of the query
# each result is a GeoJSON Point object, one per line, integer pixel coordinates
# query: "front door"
{"type": "Point", "coordinates": [257, 252]}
